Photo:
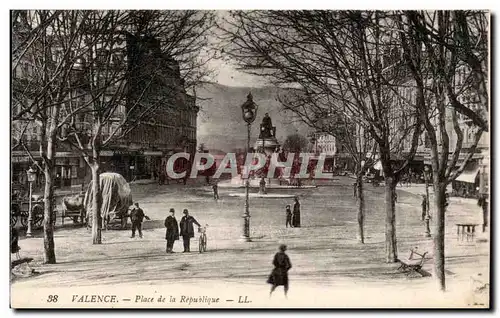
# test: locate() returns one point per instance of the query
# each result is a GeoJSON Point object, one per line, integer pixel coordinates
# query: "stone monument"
{"type": "Point", "coordinates": [267, 142]}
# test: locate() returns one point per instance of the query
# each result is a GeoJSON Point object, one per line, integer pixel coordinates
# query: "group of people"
{"type": "Point", "coordinates": [172, 234]}
{"type": "Point", "coordinates": [293, 216]}
{"type": "Point", "coordinates": [186, 230]}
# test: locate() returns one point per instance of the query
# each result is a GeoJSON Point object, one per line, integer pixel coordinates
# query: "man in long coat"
{"type": "Point", "coordinates": [296, 213]}
{"type": "Point", "coordinates": [279, 275]}
{"type": "Point", "coordinates": [187, 229]}
{"type": "Point", "coordinates": [172, 230]}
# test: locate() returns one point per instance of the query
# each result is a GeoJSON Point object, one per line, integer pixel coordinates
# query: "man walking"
{"type": "Point", "coordinates": [136, 217]}
{"type": "Point", "coordinates": [187, 230]}
{"type": "Point", "coordinates": [215, 188]}
{"type": "Point", "coordinates": [172, 230]}
{"type": "Point", "coordinates": [424, 206]}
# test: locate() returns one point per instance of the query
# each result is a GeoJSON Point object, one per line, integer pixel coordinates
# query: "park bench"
{"type": "Point", "coordinates": [414, 263]}
{"type": "Point", "coordinates": [20, 261]}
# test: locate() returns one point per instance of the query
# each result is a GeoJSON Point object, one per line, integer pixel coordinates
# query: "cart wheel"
{"type": "Point", "coordinates": [14, 213]}
{"type": "Point", "coordinates": [24, 219]}
{"type": "Point", "coordinates": [13, 220]}
{"type": "Point", "coordinates": [37, 216]}
{"type": "Point", "coordinates": [205, 244]}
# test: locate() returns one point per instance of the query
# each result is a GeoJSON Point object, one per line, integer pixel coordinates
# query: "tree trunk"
{"type": "Point", "coordinates": [390, 221]}
{"type": "Point", "coordinates": [48, 224]}
{"type": "Point", "coordinates": [439, 199]}
{"type": "Point", "coordinates": [96, 205]}
{"type": "Point", "coordinates": [361, 208]}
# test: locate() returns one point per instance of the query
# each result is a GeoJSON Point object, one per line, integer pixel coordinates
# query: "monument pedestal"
{"type": "Point", "coordinates": [266, 145]}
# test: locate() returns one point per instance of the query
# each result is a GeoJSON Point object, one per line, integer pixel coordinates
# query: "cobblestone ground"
{"type": "Point", "coordinates": [325, 253]}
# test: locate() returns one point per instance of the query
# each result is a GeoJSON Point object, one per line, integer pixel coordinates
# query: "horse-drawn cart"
{"type": "Point", "coordinates": [19, 210]}
{"type": "Point", "coordinates": [116, 198]}
{"type": "Point", "coordinates": [73, 208]}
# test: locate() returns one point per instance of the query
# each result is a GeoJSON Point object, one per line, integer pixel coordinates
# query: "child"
{"type": "Point", "coordinates": [288, 216]}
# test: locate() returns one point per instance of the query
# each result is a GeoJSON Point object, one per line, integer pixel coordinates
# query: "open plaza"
{"type": "Point", "coordinates": [325, 253]}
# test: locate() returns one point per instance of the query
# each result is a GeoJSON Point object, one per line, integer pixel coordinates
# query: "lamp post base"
{"type": "Point", "coordinates": [245, 239]}
{"type": "Point", "coordinates": [427, 228]}
{"type": "Point", "coordinates": [246, 228]}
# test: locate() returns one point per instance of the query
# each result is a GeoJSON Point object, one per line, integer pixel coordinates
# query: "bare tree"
{"type": "Point", "coordinates": [295, 143]}
{"type": "Point", "coordinates": [329, 117]}
{"type": "Point", "coordinates": [452, 73]}
{"type": "Point", "coordinates": [39, 81]}
{"type": "Point", "coordinates": [331, 53]}
{"type": "Point", "coordinates": [112, 96]}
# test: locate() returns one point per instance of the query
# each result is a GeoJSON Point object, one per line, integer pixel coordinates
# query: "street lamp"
{"type": "Point", "coordinates": [31, 173]}
{"type": "Point", "coordinates": [249, 112]}
{"type": "Point", "coordinates": [427, 217]}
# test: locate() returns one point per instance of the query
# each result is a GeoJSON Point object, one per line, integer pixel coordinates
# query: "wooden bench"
{"type": "Point", "coordinates": [414, 263]}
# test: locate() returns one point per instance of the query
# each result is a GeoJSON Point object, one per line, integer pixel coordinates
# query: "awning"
{"type": "Point", "coordinates": [153, 153]}
{"type": "Point", "coordinates": [470, 173]}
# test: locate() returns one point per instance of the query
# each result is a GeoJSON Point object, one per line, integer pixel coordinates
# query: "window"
{"type": "Point", "coordinates": [102, 56]}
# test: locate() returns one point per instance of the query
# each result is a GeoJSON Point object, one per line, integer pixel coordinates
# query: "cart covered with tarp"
{"type": "Point", "coordinates": [116, 199]}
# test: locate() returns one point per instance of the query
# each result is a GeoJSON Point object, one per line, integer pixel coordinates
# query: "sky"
{"type": "Point", "coordinates": [226, 74]}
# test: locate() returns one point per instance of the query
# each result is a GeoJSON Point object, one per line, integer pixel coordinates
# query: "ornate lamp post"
{"type": "Point", "coordinates": [31, 173]}
{"type": "Point", "coordinates": [427, 217]}
{"type": "Point", "coordinates": [249, 112]}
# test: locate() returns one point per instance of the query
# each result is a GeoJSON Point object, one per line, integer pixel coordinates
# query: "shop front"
{"type": "Point", "coordinates": [132, 164]}
{"type": "Point", "coordinates": [466, 185]}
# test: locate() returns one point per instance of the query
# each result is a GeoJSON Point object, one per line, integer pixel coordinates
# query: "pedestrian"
{"type": "Point", "coordinates": [136, 217]}
{"type": "Point", "coordinates": [355, 190]}
{"type": "Point", "coordinates": [172, 231]}
{"type": "Point", "coordinates": [483, 203]}
{"type": "Point", "coordinates": [288, 212]}
{"type": "Point", "coordinates": [424, 206]}
{"type": "Point", "coordinates": [215, 188]}
{"type": "Point", "coordinates": [296, 213]}
{"type": "Point", "coordinates": [14, 240]}
{"type": "Point", "coordinates": [279, 275]}
{"type": "Point", "coordinates": [187, 230]}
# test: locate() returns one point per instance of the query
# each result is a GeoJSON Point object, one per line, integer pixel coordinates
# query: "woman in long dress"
{"type": "Point", "coordinates": [279, 275]}
{"type": "Point", "coordinates": [296, 213]}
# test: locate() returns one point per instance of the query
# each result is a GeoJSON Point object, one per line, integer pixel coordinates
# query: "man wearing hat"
{"type": "Point", "coordinates": [136, 217]}
{"type": "Point", "coordinates": [172, 230]}
{"type": "Point", "coordinates": [187, 230]}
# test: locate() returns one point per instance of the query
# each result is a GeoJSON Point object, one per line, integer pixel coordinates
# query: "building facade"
{"type": "Point", "coordinates": [474, 179]}
{"type": "Point", "coordinates": [143, 143]}
{"type": "Point", "coordinates": [326, 144]}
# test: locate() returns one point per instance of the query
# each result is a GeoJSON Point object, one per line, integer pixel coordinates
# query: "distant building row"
{"type": "Point", "coordinates": [171, 127]}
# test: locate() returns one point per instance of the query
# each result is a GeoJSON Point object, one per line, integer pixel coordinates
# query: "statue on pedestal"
{"type": "Point", "coordinates": [266, 128]}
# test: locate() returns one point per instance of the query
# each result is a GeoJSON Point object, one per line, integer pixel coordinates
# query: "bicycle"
{"type": "Point", "coordinates": [203, 238]}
